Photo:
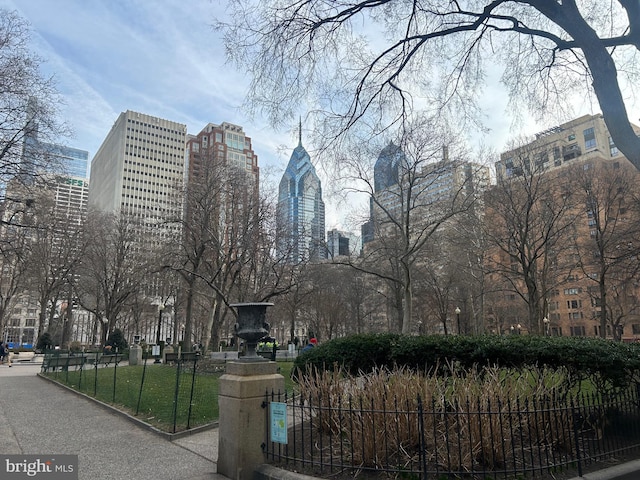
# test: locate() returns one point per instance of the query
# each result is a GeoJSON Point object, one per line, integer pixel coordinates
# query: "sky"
{"type": "Point", "coordinates": [163, 58]}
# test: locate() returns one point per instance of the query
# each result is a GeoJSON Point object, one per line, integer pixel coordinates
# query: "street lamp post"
{"type": "Point", "coordinates": [457, 310]}
{"type": "Point", "coordinates": [160, 309]}
{"type": "Point", "coordinates": [546, 322]}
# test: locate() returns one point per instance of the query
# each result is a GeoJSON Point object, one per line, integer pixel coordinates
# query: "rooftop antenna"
{"type": "Point", "coordinates": [300, 132]}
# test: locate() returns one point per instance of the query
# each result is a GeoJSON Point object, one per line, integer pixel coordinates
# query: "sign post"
{"type": "Point", "coordinates": [278, 422]}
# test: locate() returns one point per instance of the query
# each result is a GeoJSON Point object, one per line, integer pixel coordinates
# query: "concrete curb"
{"type": "Point", "coordinates": [629, 470]}
{"type": "Point", "coordinates": [269, 472]}
{"type": "Point", "coordinates": [166, 435]}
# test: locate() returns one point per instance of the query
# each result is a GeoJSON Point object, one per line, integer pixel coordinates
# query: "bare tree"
{"type": "Point", "coordinates": [112, 269]}
{"type": "Point", "coordinates": [328, 308]}
{"type": "Point", "coordinates": [416, 191]}
{"type": "Point", "coordinates": [606, 194]}
{"type": "Point", "coordinates": [622, 304]}
{"type": "Point", "coordinates": [467, 248]}
{"type": "Point", "coordinates": [371, 62]}
{"type": "Point", "coordinates": [529, 221]}
{"type": "Point", "coordinates": [56, 244]}
{"type": "Point", "coordinates": [28, 108]}
{"type": "Point", "coordinates": [437, 296]}
{"type": "Point", "coordinates": [14, 262]}
{"type": "Point", "coordinates": [219, 254]}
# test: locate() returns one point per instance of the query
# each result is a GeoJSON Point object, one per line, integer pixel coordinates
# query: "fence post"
{"type": "Point", "coordinates": [422, 455]}
{"type": "Point", "coordinates": [193, 384]}
{"type": "Point", "coordinates": [95, 377]}
{"type": "Point", "coordinates": [144, 370]}
{"type": "Point", "coordinates": [242, 419]}
{"type": "Point", "coordinates": [176, 392]}
{"type": "Point", "coordinates": [115, 369]}
{"type": "Point", "coordinates": [576, 422]}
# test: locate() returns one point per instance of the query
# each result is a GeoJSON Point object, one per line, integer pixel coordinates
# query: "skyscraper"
{"type": "Point", "coordinates": [225, 142]}
{"type": "Point", "coordinates": [137, 172]}
{"type": "Point", "coordinates": [415, 193]}
{"type": "Point", "coordinates": [72, 161]}
{"type": "Point", "coordinates": [39, 157]}
{"type": "Point", "coordinates": [387, 167]}
{"type": "Point", "coordinates": [300, 210]}
{"type": "Point", "coordinates": [338, 243]}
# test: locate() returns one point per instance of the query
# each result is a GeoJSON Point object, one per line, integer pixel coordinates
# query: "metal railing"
{"type": "Point", "coordinates": [500, 439]}
{"type": "Point", "coordinates": [170, 396]}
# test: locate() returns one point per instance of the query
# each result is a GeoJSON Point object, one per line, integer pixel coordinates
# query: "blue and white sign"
{"type": "Point", "coordinates": [278, 412]}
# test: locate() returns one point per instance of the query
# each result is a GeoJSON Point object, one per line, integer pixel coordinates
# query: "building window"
{"type": "Point", "coordinates": [572, 291]}
{"type": "Point", "coordinates": [635, 328]}
{"type": "Point", "coordinates": [589, 138]}
{"type": "Point", "coordinates": [573, 304]}
{"type": "Point", "coordinates": [577, 331]}
{"type": "Point", "coordinates": [28, 336]}
{"type": "Point", "coordinates": [612, 148]}
{"type": "Point", "coordinates": [13, 335]}
{"type": "Point", "coordinates": [570, 152]}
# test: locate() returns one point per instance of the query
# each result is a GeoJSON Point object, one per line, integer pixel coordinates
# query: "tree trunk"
{"type": "Point", "coordinates": [603, 309]}
{"type": "Point", "coordinates": [206, 341]}
{"type": "Point", "coordinates": [408, 303]}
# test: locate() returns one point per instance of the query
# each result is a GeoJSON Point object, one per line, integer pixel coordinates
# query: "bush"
{"type": "Point", "coordinates": [606, 363]}
{"type": "Point", "coordinates": [45, 342]}
{"type": "Point", "coordinates": [117, 341]}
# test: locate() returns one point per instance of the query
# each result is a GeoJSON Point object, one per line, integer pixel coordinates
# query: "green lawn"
{"type": "Point", "coordinates": [165, 399]}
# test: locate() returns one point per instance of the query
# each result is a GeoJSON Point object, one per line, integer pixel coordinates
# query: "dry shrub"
{"type": "Point", "coordinates": [470, 418]}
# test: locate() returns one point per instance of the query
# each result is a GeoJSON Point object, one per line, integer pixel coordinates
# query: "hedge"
{"type": "Point", "coordinates": [603, 361]}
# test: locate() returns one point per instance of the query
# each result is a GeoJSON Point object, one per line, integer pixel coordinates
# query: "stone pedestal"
{"type": "Point", "coordinates": [242, 426]}
{"type": "Point", "coordinates": [167, 349]}
{"type": "Point", "coordinates": [135, 355]}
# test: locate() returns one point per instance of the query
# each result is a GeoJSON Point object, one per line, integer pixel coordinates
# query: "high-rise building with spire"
{"type": "Point", "coordinates": [300, 210]}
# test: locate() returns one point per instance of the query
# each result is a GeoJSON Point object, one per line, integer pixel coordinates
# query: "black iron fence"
{"type": "Point", "coordinates": [499, 439]}
{"type": "Point", "coordinates": [172, 396]}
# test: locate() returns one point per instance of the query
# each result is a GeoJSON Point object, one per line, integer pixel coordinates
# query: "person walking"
{"type": "Point", "coordinates": [310, 344]}
{"type": "Point", "coordinates": [5, 354]}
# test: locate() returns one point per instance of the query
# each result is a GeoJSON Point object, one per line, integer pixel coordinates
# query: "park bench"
{"type": "Point", "coordinates": [109, 358]}
{"type": "Point", "coordinates": [23, 356]}
{"type": "Point", "coordinates": [63, 362]}
{"type": "Point", "coordinates": [170, 357]}
{"type": "Point", "coordinates": [184, 357]}
{"type": "Point", "coordinates": [190, 356]}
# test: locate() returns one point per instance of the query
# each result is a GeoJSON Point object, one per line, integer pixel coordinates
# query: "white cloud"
{"type": "Point", "coordinates": [165, 59]}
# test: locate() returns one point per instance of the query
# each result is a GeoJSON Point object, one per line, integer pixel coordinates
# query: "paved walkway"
{"type": "Point", "coordinates": [37, 417]}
